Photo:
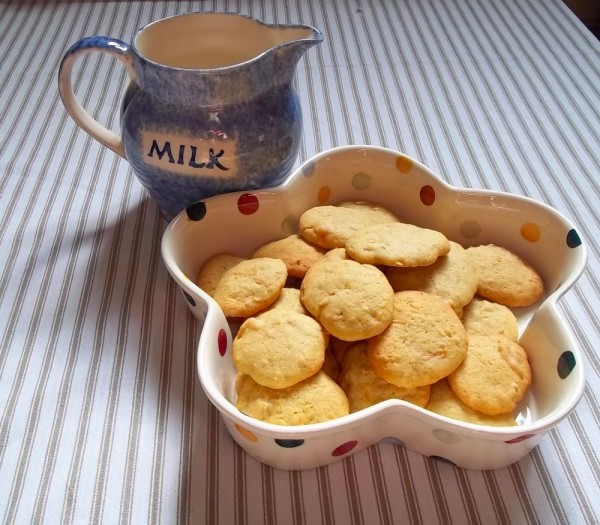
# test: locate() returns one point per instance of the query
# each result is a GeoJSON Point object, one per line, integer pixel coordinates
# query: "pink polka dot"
{"type": "Point", "coordinates": [247, 204]}
{"type": "Point", "coordinates": [344, 448]}
{"type": "Point", "coordinates": [222, 341]}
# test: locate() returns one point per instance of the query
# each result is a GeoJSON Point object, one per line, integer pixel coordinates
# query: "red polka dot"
{"type": "Point", "coordinates": [427, 195]}
{"type": "Point", "coordinates": [247, 204]}
{"type": "Point", "coordinates": [222, 341]}
{"type": "Point", "coordinates": [345, 448]}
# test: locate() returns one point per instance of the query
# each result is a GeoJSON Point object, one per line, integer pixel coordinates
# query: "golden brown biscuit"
{"type": "Point", "coordinates": [297, 254]}
{"type": "Point", "coordinates": [365, 388]}
{"type": "Point", "coordinates": [397, 244]}
{"type": "Point", "coordinates": [314, 400]}
{"type": "Point", "coordinates": [504, 277]}
{"type": "Point", "coordinates": [330, 226]}
{"type": "Point", "coordinates": [351, 300]}
{"type": "Point", "coordinates": [250, 286]}
{"type": "Point", "coordinates": [330, 365]}
{"type": "Point", "coordinates": [288, 299]}
{"type": "Point", "coordinates": [443, 401]}
{"type": "Point", "coordinates": [483, 317]}
{"type": "Point", "coordinates": [494, 376]}
{"type": "Point", "coordinates": [425, 342]}
{"type": "Point", "coordinates": [280, 348]}
{"type": "Point", "coordinates": [213, 269]}
{"type": "Point", "coordinates": [452, 277]}
{"type": "Point", "coordinates": [372, 208]}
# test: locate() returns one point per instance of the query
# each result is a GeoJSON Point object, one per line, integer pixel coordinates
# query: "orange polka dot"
{"type": "Point", "coordinates": [324, 194]}
{"type": "Point", "coordinates": [404, 164]}
{"type": "Point", "coordinates": [246, 433]}
{"type": "Point", "coordinates": [531, 232]}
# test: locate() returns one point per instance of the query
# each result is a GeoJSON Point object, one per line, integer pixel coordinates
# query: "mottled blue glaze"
{"type": "Point", "coordinates": [253, 105]}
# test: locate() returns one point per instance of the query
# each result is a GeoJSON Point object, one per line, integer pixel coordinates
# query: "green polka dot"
{"type": "Point", "coordinates": [288, 226]}
{"type": "Point", "coordinates": [361, 181]}
{"type": "Point", "coordinates": [470, 229]}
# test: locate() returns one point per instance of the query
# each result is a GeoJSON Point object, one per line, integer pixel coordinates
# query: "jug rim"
{"type": "Point", "coordinates": [315, 37]}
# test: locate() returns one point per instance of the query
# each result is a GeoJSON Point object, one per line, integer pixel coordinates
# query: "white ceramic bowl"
{"type": "Point", "coordinates": [240, 222]}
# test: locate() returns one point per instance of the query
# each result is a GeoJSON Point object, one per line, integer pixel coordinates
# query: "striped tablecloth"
{"type": "Point", "coordinates": [102, 419]}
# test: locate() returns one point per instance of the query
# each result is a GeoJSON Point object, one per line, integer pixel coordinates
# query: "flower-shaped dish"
{"type": "Point", "coordinates": [240, 222]}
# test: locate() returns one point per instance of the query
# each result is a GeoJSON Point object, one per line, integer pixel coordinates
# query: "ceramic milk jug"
{"type": "Point", "coordinates": [211, 106]}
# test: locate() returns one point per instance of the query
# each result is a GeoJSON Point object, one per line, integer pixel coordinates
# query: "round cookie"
{"type": "Point", "coordinates": [297, 254]}
{"type": "Point", "coordinates": [483, 317]}
{"type": "Point", "coordinates": [452, 277]}
{"type": "Point", "coordinates": [250, 286]}
{"type": "Point", "coordinates": [288, 299]}
{"type": "Point", "coordinates": [494, 376]}
{"type": "Point", "coordinates": [504, 277]}
{"type": "Point", "coordinates": [365, 388]}
{"type": "Point", "coordinates": [331, 226]}
{"type": "Point", "coordinates": [443, 401]}
{"type": "Point", "coordinates": [330, 365]}
{"type": "Point", "coordinates": [351, 300]}
{"type": "Point", "coordinates": [425, 342]}
{"type": "Point", "coordinates": [397, 244]}
{"type": "Point", "coordinates": [314, 400]}
{"type": "Point", "coordinates": [376, 210]}
{"type": "Point", "coordinates": [279, 348]}
{"type": "Point", "coordinates": [213, 269]}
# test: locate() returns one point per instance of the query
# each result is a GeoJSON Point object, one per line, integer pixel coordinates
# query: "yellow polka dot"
{"type": "Point", "coordinates": [246, 433]}
{"type": "Point", "coordinates": [470, 229]}
{"type": "Point", "coordinates": [324, 194]}
{"type": "Point", "coordinates": [404, 164]}
{"type": "Point", "coordinates": [531, 232]}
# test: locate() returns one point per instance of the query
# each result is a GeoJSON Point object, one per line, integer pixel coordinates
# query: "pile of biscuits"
{"type": "Point", "coordinates": [360, 307]}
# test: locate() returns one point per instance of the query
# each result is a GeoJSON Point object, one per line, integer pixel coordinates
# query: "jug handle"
{"type": "Point", "coordinates": [111, 46]}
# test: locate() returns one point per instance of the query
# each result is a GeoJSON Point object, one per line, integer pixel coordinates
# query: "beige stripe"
{"type": "Point", "coordinates": [409, 489]}
{"type": "Point", "coordinates": [268, 489]}
{"type": "Point", "coordinates": [240, 482]}
{"type": "Point", "coordinates": [437, 487]}
{"type": "Point", "coordinates": [325, 496]}
{"type": "Point", "coordinates": [381, 492]}
{"type": "Point", "coordinates": [352, 490]}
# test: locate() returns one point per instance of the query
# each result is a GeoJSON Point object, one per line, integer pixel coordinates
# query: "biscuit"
{"type": "Point", "coordinates": [288, 299]}
{"type": "Point", "coordinates": [494, 376]}
{"type": "Point", "coordinates": [504, 277]}
{"type": "Point", "coordinates": [339, 348]}
{"type": "Point", "coordinates": [213, 269]}
{"type": "Point", "coordinates": [250, 286]}
{"type": "Point", "coordinates": [351, 300]}
{"type": "Point", "coordinates": [397, 244]}
{"type": "Point", "coordinates": [375, 209]}
{"type": "Point", "coordinates": [425, 342]}
{"type": "Point", "coordinates": [297, 254]}
{"type": "Point", "coordinates": [331, 226]}
{"type": "Point", "coordinates": [314, 400]}
{"type": "Point", "coordinates": [443, 401]}
{"type": "Point", "coordinates": [483, 317]}
{"type": "Point", "coordinates": [365, 388]}
{"type": "Point", "coordinates": [279, 348]}
{"type": "Point", "coordinates": [330, 365]}
{"type": "Point", "coordinates": [452, 277]}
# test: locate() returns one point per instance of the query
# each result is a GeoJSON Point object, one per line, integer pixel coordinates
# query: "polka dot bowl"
{"type": "Point", "coordinates": [240, 222]}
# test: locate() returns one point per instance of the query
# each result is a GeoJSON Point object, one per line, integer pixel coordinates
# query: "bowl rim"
{"type": "Point", "coordinates": [215, 315]}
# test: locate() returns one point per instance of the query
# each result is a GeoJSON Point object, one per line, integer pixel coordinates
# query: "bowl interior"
{"type": "Point", "coordinates": [240, 222]}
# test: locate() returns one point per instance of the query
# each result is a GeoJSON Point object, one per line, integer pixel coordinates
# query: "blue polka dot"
{"type": "Point", "coordinates": [196, 211]}
{"type": "Point", "coordinates": [566, 364]}
{"type": "Point", "coordinates": [189, 298]}
{"type": "Point", "coordinates": [289, 443]}
{"type": "Point", "coordinates": [573, 239]}
{"type": "Point", "coordinates": [308, 169]}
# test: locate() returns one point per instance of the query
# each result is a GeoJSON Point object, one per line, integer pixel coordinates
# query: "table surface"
{"type": "Point", "coordinates": [102, 418]}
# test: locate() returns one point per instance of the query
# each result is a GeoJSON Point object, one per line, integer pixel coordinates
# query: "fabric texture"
{"type": "Point", "coordinates": [102, 417]}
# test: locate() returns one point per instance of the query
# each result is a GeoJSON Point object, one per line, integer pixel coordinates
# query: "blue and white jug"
{"type": "Point", "coordinates": [211, 106]}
